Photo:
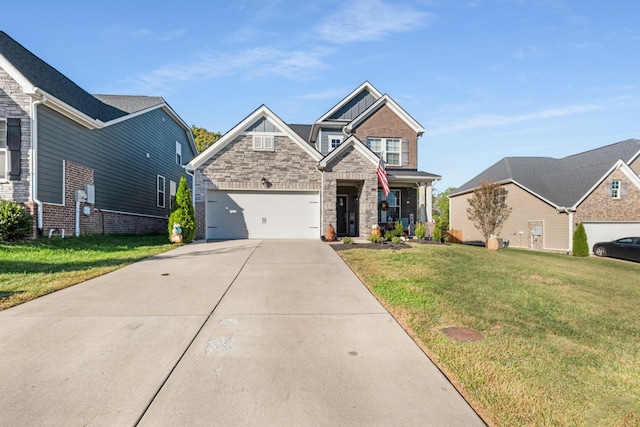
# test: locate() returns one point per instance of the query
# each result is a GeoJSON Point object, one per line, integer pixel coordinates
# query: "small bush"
{"type": "Point", "coordinates": [15, 222]}
{"type": "Point", "coordinates": [421, 230]}
{"type": "Point", "coordinates": [580, 244]}
{"type": "Point", "coordinates": [183, 213]}
{"type": "Point", "coordinates": [374, 239]}
{"type": "Point", "coordinates": [347, 240]}
{"type": "Point", "coordinates": [396, 239]}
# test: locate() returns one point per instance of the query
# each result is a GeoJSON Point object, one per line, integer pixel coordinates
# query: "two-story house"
{"type": "Point", "coordinates": [82, 162]}
{"type": "Point", "coordinates": [269, 179]}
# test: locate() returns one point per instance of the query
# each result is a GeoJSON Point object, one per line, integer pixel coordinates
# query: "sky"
{"type": "Point", "coordinates": [487, 79]}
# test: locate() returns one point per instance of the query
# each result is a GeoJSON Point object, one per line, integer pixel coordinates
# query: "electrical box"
{"type": "Point", "coordinates": [91, 193]}
{"type": "Point", "coordinates": [538, 230]}
{"type": "Point", "coordinates": [80, 196]}
{"type": "Point", "coordinates": [86, 210]}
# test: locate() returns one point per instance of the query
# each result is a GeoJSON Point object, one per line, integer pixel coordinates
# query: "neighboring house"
{"type": "Point", "coordinates": [82, 162]}
{"type": "Point", "coordinates": [269, 179]}
{"type": "Point", "coordinates": [550, 197]}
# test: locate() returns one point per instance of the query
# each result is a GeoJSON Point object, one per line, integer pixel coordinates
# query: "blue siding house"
{"type": "Point", "coordinates": [82, 162]}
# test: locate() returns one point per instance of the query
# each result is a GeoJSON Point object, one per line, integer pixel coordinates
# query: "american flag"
{"type": "Point", "coordinates": [382, 177]}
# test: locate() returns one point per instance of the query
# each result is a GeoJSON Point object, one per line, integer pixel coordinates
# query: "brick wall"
{"type": "Point", "coordinates": [15, 104]}
{"type": "Point", "coordinates": [384, 123]}
{"type": "Point", "coordinates": [599, 207]}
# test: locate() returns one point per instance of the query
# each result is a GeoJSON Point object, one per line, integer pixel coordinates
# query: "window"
{"type": "Point", "coordinates": [616, 189]}
{"type": "Point", "coordinates": [3, 150]}
{"type": "Point", "coordinates": [263, 143]}
{"type": "Point", "coordinates": [334, 141]}
{"type": "Point", "coordinates": [178, 153]}
{"type": "Point", "coordinates": [161, 190]}
{"type": "Point", "coordinates": [172, 194]}
{"type": "Point", "coordinates": [389, 149]}
{"type": "Point", "coordinates": [393, 212]}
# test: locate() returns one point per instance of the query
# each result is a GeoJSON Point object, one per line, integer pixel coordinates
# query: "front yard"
{"type": "Point", "coordinates": [34, 268]}
{"type": "Point", "coordinates": [562, 334]}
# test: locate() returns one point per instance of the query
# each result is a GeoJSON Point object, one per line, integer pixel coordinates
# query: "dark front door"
{"type": "Point", "coordinates": [341, 211]}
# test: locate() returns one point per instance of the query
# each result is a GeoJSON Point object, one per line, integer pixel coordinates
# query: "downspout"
{"type": "Point", "coordinates": [570, 212]}
{"type": "Point", "coordinates": [34, 158]}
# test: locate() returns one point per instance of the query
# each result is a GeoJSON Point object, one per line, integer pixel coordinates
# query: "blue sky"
{"type": "Point", "coordinates": [486, 79]}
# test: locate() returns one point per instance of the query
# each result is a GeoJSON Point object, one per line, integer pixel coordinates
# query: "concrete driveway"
{"type": "Point", "coordinates": [234, 333]}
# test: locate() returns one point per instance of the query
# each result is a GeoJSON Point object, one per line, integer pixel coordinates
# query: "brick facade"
{"type": "Point", "coordinates": [15, 104]}
{"type": "Point", "coordinates": [598, 207]}
{"type": "Point", "coordinates": [384, 123]}
{"type": "Point", "coordinates": [238, 167]}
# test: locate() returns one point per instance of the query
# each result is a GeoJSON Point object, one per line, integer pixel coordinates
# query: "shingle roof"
{"type": "Point", "coordinates": [131, 104]}
{"type": "Point", "coordinates": [562, 182]}
{"type": "Point", "coordinates": [50, 80]}
{"type": "Point", "coordinates": [400, 173]}
{"type": "Point", "coordinates": [302, 130]}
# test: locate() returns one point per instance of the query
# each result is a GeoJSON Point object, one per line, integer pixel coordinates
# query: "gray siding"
{"type": "Point", "coordinates": [324, 139]}
{"type": "Point", "coordinates": [263, 125]}
{"type": "Point", "coordinates": [355, 107]}
{"type": "Point", "coordinates": [125, 178]}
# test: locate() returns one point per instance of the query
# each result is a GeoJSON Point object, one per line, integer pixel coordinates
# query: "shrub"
{"type": "Point", "coordinates": [421, 230]}
{"type": "Point", "coordinates": [396, 239]}
{"type": "Point", "coordinates": [580, 244]}
{"type": "Point", "coordinates": [347, 240]}
{"type": "Point", "coordinates": [374, 239]}
{"type": "Point", "coordinates": [15, 222]}
{"type": "Point", "coordinates": [183, 213]}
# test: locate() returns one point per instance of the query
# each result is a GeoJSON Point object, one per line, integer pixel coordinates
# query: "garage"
{"type": "Point", "coordinates": [263, 215]}
{"type": "Point", "coordinates": [607, 231]}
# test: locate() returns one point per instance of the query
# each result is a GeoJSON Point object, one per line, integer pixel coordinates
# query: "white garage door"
{"type": "Point", "coordinates": [607, 231]}
{"type": "Point", "coordinates": [263, 215]}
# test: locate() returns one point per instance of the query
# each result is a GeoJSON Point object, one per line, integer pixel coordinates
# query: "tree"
{"type": "Point", "coordinates": [204, 138]}
{"type": "Point", "coordinates": [183, 213]}
{"type": "Point", "coordinates": [488, 208]}
{"type": "Point", "coordinates": [580, 244]}
{"type": "Point", "coordinates": [441, 212]}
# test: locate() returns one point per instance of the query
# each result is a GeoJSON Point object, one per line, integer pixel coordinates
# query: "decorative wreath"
{"type": "Point", "coordinates": [383, 205]}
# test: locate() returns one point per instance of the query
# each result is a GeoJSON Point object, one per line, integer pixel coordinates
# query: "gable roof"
{"type": "Point", "coordinates": [399, 111]}
{"type": "Point", "coordinates": [262, 112]}
{"type": "Point", "coordinates": [354, 142]}
{"type": "Point", "coordinates": [560, 182]}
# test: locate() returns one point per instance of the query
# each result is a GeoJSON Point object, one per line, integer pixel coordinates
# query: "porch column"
{"type": "Point", "coordinates": [422, 203]}
{"type": "Point", "coordinates": [429, 197]}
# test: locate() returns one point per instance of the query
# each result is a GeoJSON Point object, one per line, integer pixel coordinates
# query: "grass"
{"type": "Point", "coordinates": [34, 268]}
{"type": "Point", "coordinates": [562, 334]}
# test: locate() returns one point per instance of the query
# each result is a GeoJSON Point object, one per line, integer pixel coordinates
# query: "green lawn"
{"type": "Point", "coordinates": [562, 334]}
{"type": "Point", "coordinates": [34, 268]}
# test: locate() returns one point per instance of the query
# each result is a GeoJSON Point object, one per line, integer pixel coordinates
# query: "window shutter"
{"type": "Point", "coordinates": [13, 146]}
{"type": "Point", "coordinates": [623, 189]}
{"type": "Point", "coordinates": [268, 142]}
{"type": "Point", "coordinates": [609, 189]}
{"type": "Point", "coordinates": [405, 152]}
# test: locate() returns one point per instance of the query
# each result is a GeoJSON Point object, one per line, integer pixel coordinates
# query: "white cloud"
{"type": "Point", "coordinates": [293, 64]}
{"type": "Point", "coordinates": [494, 120]}
{"type": "Point", "coordinates": [370, 20]}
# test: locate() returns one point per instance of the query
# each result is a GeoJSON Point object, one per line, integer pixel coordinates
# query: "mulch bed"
{"type": "Point", "coordinates": [383, 245]}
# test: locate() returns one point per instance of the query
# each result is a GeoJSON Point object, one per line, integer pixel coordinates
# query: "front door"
{"type": "Point", "coordinates": [342, 214]}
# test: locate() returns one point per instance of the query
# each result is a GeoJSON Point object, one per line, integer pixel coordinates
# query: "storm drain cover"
{"type": "Point", "coordinates": [463, 334]}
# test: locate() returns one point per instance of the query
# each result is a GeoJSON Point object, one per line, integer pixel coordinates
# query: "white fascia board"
{"type": "Point", "coordinates": [389, 102]}
{"type": "Point", "coordinates": [68, 111]}
{"type": "Point", "coordinates": [354, 142]}
{"type": "Point", "coordinates": [365, 85]}
{"type": "Point", "coordinates": [516, 183]}
{"type": "Point", "coordinates": [620, 164]}
{"type": "Point", "coordinates": [27, 86]}
{"type": "Point", "coordinates": [409, 178]}
{"type": "Point", "coordinates": [262, 111]}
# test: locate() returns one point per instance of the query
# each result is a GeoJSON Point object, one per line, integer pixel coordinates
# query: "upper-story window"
{"type": "Point", "coordinates": [178, 153]}
{"type": "Point", "coordinates": [334, 141]}
{"type": "Point", "coordinates": [263, 143]}
{"type": "Point", "coordinates": [390, 149]}
{"type": "Point", "coordinates": [3, 149]}
{"type": "Point", "coordinates": [160, 190]}
{"type": "Point", "coordinates": [616, 189]}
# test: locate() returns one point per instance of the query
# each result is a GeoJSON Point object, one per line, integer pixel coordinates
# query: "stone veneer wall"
{"type": "Point", "coordinates": [15, 104]}
{"type": "Point", "coordinates": [342, 168]}
{"type": "Point", "coordinates": [384, 123]}
{"type": "Point", "coordinates": [238, 167]}
{"type": "Point", "coordinates": [599, 207]}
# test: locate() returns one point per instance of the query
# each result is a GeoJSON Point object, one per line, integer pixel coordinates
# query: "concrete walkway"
{"type": "Point", "coordinates": [235, 333]}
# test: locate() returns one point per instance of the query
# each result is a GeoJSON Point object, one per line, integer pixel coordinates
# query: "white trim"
{"type": "Point", "coordinates": [354, 142]}
{"type": "Point", "coordinates": [240, 128]}
{"type": "Point", "coordinates": [164, 191]}
{"type": "Point", "coordinates": [619, 165]}
{"type": "Point", "coordinates": [366, 85]}
{"type": "Point", "coordinates": [393, 106]}
{"type": "Point", "coordinates": [263, 141]}
{"type": "Point", "coordinates": [5, 149]}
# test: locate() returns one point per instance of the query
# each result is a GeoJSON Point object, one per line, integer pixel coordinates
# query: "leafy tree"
{"type": "Point", "coordinates": [204, 138]}
{"type": "Point", "coordinates": [15, 222]}
{"type": "Point", "coordinates": [580, 244]}
{"type": "Point", "coordinates": [441, 212]}
{"type": "Point", "coordinates": [183, 213]}
{"type": "Point", "coordinates": [488, 208]}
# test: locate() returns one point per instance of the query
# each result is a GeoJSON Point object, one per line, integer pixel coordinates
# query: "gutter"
{"type": "Point", "coordinates": [34, 158]}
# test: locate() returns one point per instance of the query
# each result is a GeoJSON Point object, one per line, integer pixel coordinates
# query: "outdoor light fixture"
{"type": "Point", "coordinates": [264, 180]}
